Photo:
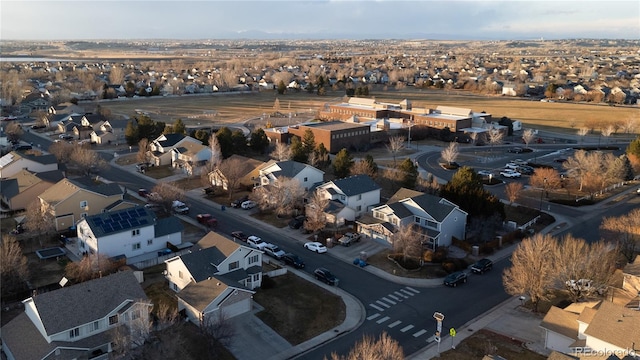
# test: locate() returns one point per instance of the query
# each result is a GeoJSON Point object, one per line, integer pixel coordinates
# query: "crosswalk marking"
{"type": "Point", "coordinates": [383, 304]}
{"type": "Point", "coordinates": [376, 307]}
{"type": "Point", "coordinates": [407, 292]}
{"type": "Point", "coordinates": [406, 328]}
{"type": "Point", "coordinates": [373, 316]}
{"type": "Point", "coordinates": [395, 323]}
{"type": "Point", "coordinates": [412, 289]}
{"type": "Point", "coordinates": [419, 333]}
{"type": "Point", "coordinates": [431, 339]}
{"type": "Point", "coordinates": [395, 297]}
{"type": "Point", "coordinates": [380, 321]}
{"type": "Point", "coordinates": [389, 301]}
{"type": "Point", "coordinates": [401, 294]}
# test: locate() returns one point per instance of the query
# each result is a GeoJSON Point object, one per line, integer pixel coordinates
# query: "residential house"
{"type": "Point", "coordinates": [20, 189]}
{"type": "Point", "coordinates": [76, 322]}
{"type": "Point", "coordinates": [219, 277]}
{"type": "Point", "coordinates": [65, 108]}
{"type": "Point", "coordinates": [352, 196]}
{"type": "Point", "coordinates": [161, 147]}
{"type": "Point", "coordinates": [128, 232]}
{"type": "Point", "coordinates": [307, 175]}
{"type": "Point", "coordinates": [438, 220]}
{"type": "Point", "coordinates": [14, 162]}
{"type": "Point", "coordinates": [71, 200]}
{"type": "Point", "coordinates": [36, 101]}
{"type": "Point", "coordinates": [190, 156]}
{"type": "Point", "coordinates": [110, 131]}
{"type": "Point", "coordinates": [631, 276]}
{"type": "Point", "coordinates": [593, 328]}
{"type": "Point", "coordinates": [246, 170]}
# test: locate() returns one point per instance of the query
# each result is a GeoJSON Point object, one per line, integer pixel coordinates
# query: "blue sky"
{"type": "Point", "coordinates": [318, 19]}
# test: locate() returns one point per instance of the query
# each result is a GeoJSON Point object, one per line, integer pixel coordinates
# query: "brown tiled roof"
{"type": "Point", "coordinates": [561, 322]}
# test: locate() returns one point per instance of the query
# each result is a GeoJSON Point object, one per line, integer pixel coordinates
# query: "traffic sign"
{"type": "Point", "coordinates": [452, 332]}
{"type": "Point", "coordinates": [437, 339]}
{"type": "Point", "coordinates": [438, 316]}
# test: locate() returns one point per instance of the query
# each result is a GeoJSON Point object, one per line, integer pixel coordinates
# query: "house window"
{"type": "Point", "coordinates": [96, 326]}
{"type": "Point", "coordinates": [135, 314]}
{"type": "Point", "coordinates": [431, 224]}
{"type": "Point", "coordinates": [256, 277]}
{"type": "Point", "coordinates": [359, 208]}
{"type": "Point", "coordinates": [234, 265]}
{"type": "Point", "coordinates": [149, 242]}
{"type": "Point", "coordinates": [417, 220]}
{"type": "Point", "coordinates": [343, 198]}
{"type": "Point", "coordinates": [135, 246]}
{"type": "Point", "coordinates": [394, 221]}
{"type": "Point", "coordinates": [135, 232]}
{"type": "Point", "coordinates": [74, 333]}
{"type": "Point", "coordinates": [83, 204]}
{"type": "Point", "coordinates": [83, 215]}
{"type": "Point", "coordinates": [113, 319]}
{"type": "Point", "coordinates": [305, 179]}
{"type": "Point", "coordinates": [180, 274]}
{"type": "Point", "coordinates": [253, 259]}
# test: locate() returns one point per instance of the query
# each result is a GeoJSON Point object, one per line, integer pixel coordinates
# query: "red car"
{"type": "Point", "coordinates": [207, 220]}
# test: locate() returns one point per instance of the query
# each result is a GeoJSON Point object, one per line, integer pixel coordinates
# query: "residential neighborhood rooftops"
{"type": "Point", "coordinates": [118, 221]}
{"type": "Point", "coordinates": [168, 225]}
{"type": "Point", "coordinates": [357, 184]}
{"type": "Point", "coordinates": [168, 140]}
{"type": "Point", "coordinates": [561, 322]}
{"type": "Point", "coordinates": [616, 324]}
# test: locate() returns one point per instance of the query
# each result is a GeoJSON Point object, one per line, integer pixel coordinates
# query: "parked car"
{"type": "Point", "coordinates": [239, 235]}
{"type": "Point", "coordinates": [18, 230]}
{"type": "Point", "coordinates": [482, 266]}
{"type": "Point", "coordinates": [143, 192]}
{"type": "Point", "coordinates": [65, 137]}
{"type": "Point", "coordinates": [236, 203]}
{"type": "Point", "coordinates": [508, 173]}
{"type": "Point", "coordinates": [207, 219]}
{"type": "Point", "coordinates": [293, 260]}
{"type": "Point", "coordinates": [24, 147]}
{"type": "Point", "coordinates": [511, 165]}
{"type": "Point", "coordinates": [516, 150]}
{"type": "Point", "coordinates": [249, 204]}
{"type": "Point", "coordinates": [256, 242]}
{"type": "Point", "coordinates": [274, 251]}
{"type": "Point", "coordinates": [526, 170]}
{"type": "Point", "coordinates": [179, 207]}
{"type": "Point", "coordinates": [485, 173]}
{"type": "Point", "coordinates": [455, 278]}
{"type": "Point", "coordinates": [349, 238]}
{"type": "Point", "coordinates": [209, 191]}
{"type": "Point", "coordinates": [297, 222]}
{"type": "Point", "coordinates": [38, 126]}
{"type": "Point", "coordinates": [325, 276]}
{"type": "Point", "coordinates": [519, 162]}
{"type": "Point", "coordinates": [315, 246]}
{"type": "Point", "coordinates": [142, 167]}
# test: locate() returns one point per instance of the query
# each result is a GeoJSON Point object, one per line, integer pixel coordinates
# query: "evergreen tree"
{"type": "Point", "coordinates": [321, 154]}
{"type": "Point", "coordinates": [372, 163]}
{"type": "Point", "coordinates": [634, 148]}
{"type": "Point", "coordinates": [628, 168]}
{"type": "Point", "coordinates": [342, 164]}
{"type": "Point", "coordinates": [465, 190]}
{"type": "Point", "coordinates": [297, 150]}
{"type": "Point", "coordinates": [202, 135]}
{"type": "Point", "coordinates": [282, 87]}
{"type": "Point", "coordinates": [259, 141]}
{"type": "Point", "coordinates": [308, 142]}
{"type": "Point", "coordinates": [131, 133]}
{"type": "Point", "coordinates": [225, 139]}
{"type": "Point", "coordinates": [409, 173]}
{"type": "Point", "coordinates": [179, 127]}
{"type": "Point", "coordinates": [239, 142]}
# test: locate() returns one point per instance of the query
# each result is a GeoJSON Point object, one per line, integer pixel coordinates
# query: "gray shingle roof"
{"type": "Point", "coordinates": [42, 159]}
{"type": "Point", "coordinates": [83, 303]}
{"type": "Point", "coordinates": [9, 188]}
{"type": "Point", "coordinates": [400, 210]}
{"type": "Point", "coordinates": [89, 184]}
{"type": "Point", "coordinates": [289, 168]}
{"type": "Point", "coordinates": [202, 264]}
{"type": "Point", "coordinates": [52, 176]}
{"type": "Point", "coordinates": [166, 226]}
{"type": "Point", "coordinates": [432, 205]}
{"type": "Point", "coordinates": [357, 184]}
{"type": "Point", "coordinates": [172, 139]}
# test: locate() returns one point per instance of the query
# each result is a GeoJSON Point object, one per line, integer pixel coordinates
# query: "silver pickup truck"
{"type": "Point", "coordinates": [348, 238]}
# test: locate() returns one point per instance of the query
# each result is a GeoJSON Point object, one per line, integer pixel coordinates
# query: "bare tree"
{"type": "Point", "coordinates": [216, 152]}
{"type": "Point", "coordinates": [14, 267]}
{"type": "Point", "coordinates": [315, 217]}
{"type": "Point", "coordinates": [39, 221]}
{"type": "Point", "coordinates": [408, 240]}
{"type": "Point", "coordinates": [531, 272]}
{"type": "Point", "coordinates": [86, 159]}
{"type": "Point", "coordinates": [547, 179]}
{"type": "Point", "coordinates": [513, 190]}
{"type": "Point", "coordinates": [607, 132]}
{"type": "Point", "coordinates": [395, 145]}
{"type": "Point", "coordinates": [116, 74]}
{"type": "Point", "coordinates": [583, 269]}
{"type": "Point", "coordinates": [474, 137]}
{"type": "Point", "coordinates": [13, 131]}
{"type": "Point", "coordinates": [450, 154]}
{"type": "Point", "coordinates": [165, 196]}
{"type": "Point", "coordinates": [629, 125]}
{"type": "Point", "coordinates": [232, 170]}
{"type": "Point", "coordinates": [528, 136]}
{"type": "Point", "coordinates": [385, 348]}
{"type": "Point", "coordinates": [495, 137]}
{"type": "Point", "coordinates": [144, 148]}
{"type": "Point", "coordinates": [281, 152]}
{"type": "Point", "coordinates": [281, 197]}
{"type": "Point", "coordinates": [91, 267]}
{"type": "Point", "coordinates": [582, 132]}
{"type": "Point", "coordinates": [217, 328]}
{"type": "Point", "coordinates": [626, 228]}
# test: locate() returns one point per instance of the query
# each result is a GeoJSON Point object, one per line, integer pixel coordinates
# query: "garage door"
{"type": "Point", "coordinates": [237, 308]}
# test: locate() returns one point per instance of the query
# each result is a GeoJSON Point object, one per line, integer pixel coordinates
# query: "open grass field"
{"type": "Point", "coordinates": [237, 108]}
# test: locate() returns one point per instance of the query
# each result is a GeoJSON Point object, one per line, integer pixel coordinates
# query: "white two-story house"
{"type": "Point", "coordinates": [307, 175]}
{"type": "Point", "coordinates": [14, 162]}
{"type": "Point", "coordinates": [161, 147]}
{"type": "Point", "coordinates": [130, 232]}
{"type": "Point", "coordinates": [349, 197]}
{"type": "Point", "coordinates": [439, 219]}
{"type": "Point", "coordinates": [217, 278]}
{"type": "Point", "coordinates": [75, 322]}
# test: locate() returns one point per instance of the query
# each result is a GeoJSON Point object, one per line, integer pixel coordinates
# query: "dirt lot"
{"type": "Point", "coordinates": [486, 342]}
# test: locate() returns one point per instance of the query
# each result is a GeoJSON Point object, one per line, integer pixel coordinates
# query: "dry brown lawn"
{"type": "Point", "coordinates": [485, 342]}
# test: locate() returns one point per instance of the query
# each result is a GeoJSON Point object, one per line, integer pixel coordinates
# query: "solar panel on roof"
{"type": "Point", "coordinates": [117, 227]}
{"type": "Point", "coordinates": [143, 221]}
{"type": "Point", "coordinates": [98, 221]}
{"type": "Point", "coordinates": [141, 212]}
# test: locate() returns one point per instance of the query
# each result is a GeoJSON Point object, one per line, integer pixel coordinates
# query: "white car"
{"type": "Point", "coordinates": [485, 173]}
{"type": "Point", "coordinates": [248, 205]}
{"type": "Point", "coordinates": [508, 173]}
{"type": "Point", "coordinates": [511, 165]}
{"type": "Point", "coordinates": [256, 242]}
{"type": "Point", "coordinates": [315, 246]}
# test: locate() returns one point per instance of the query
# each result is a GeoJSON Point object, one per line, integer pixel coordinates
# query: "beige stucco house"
{"type": "Point", "coordinates": [20, 189]}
